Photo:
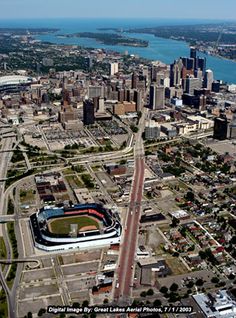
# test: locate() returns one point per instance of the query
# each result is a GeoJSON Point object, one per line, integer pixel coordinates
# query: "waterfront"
{"type": "Point", "coordinates": [165, 50]}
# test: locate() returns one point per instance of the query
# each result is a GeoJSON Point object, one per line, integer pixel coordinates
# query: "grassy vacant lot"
{"type": "Point", "coordinates": [74, 181]}
{"type": "Point", "coordinates": [176, 266]}
{"type": "Point", "coordinates": [3, 305]}
{"type": "Point", "coordinates": [68, 171]}
{"type": "Point", "coordinates": [27, 196]}
{"type": "Point", "coordinates": [62, 225]}
{"type": "Point", "coordinates": [3, 252]}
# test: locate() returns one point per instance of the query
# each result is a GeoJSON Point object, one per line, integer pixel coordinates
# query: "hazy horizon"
{"type": "Point", "coordinates": [119, 18]}
{"type": "Point", "coordinates": [151, 9]}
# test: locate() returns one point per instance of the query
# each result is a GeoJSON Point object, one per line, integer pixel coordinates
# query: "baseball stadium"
{"type": "Point", "coordinates": [81, 226]}
{"type": "Point", "coordinates": [15, 83]}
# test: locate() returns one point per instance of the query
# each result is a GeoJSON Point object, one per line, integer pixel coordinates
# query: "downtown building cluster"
{"type": "Point", "coordinates": [183, 96]}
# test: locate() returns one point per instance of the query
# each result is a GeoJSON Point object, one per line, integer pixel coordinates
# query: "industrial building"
{"type": "Point", "coordinates": [216, 305]}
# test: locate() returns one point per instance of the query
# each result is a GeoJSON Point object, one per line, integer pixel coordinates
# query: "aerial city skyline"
{"type": "Point", "coordinates": [117, 159]}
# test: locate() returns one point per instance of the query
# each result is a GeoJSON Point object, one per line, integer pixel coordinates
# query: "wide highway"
{"type": "Point", "coordinates": [129, 243]}
{"type": "Point", "coordinates": [5, 158]}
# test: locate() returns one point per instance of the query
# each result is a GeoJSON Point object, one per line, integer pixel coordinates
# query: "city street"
{"type": "Point", "coordinates": [128, 248]}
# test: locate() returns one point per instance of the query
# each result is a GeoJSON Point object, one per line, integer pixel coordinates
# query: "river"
{"type": "Point", "coordinates": [165, 50]}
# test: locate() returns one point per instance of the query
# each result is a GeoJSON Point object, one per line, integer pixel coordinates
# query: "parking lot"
{"type": "Point", "coordinates": [30, 292]}
{"type": "Point", "coordinates": [38, 274]}
{"type": "Point", "coordinates": [25, 306]}
{"type": "Point", "coordinates": [79, 268]}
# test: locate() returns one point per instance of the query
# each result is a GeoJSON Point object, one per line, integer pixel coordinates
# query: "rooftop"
{"type": "Point", "coordinates": [179, 214]}
{"type": "Point", "coordinates": [216, 305]}
{"type": "Point", "coordinates": [15, 80]}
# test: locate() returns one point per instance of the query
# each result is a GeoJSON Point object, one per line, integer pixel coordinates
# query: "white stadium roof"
{"type": "Point", "coordinates": [16, 80]}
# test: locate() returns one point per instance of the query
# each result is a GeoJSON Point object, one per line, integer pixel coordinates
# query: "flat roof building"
{"type": "Point", "coordinates": [216, 305]}
{"type": "Point", "coordinates": [152, 130]}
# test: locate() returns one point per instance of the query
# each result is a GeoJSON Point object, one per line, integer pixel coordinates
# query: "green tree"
{"type": "Point", "coordinates": [173, 297]}
{"type": "Point", "coordinates": [150, 292]}
{"type": "Point", "coordinates": [215, 280]}
{"type": "Point", "coordinates": [135, 303]}
{"type": "Point", "coordinates": [174, 287]}
{"type": "Point", "coordinates": [222, 284]}
{"type": "Point", "coordinates": [157, 303]}
{"type": "Point", "coordinates": [231, 276]}
{"type": "Point", "coordinates": [190, 284]}
{"type": "Point", "coordinates": [175, 222]}
{"type": "Point", "coordinates": [164, 289]}
{"type": "Point", "coordinates": [202, 254]}
{"type": "Point", "coordinates": [95, 289]}
{"type": "Point", "coordinates": [41, 311]}
{"type": "Point", "coordinates": [199, 282]}
{"type": "Point", "coordinates": [134, 128]}
{"type": "Point", "coordinates": [85, 303]}
{"type": "Point", "coordinates": [190, 196]}
{"type": "Point", "coordinates": [143, 294]}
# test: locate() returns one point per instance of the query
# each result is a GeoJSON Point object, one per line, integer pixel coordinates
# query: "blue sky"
{"type": "Point", "coordinates": [199, 9]}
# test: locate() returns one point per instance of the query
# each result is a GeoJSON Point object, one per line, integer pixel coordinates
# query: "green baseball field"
{"type": "Point", "coordinates": [62, 225]}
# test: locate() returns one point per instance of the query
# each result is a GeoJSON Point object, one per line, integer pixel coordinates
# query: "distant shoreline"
{"type": "Point", "coordinates": [120, 30]}
{"type": "Point", "coordinates": [108, 38]}
{"type": "Point", "coordinates": [29, 31]}
{"type": "Point", "coordinates": [159, 48]}
{"type": "Point", "coordinates": [205, 37]}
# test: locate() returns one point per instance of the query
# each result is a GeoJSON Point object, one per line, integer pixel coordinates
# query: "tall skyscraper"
{"type": "Point", "coordinates": [88, 112]}
{"type": "Point", "coordinates": [175, 73]}
{"type": "Point", "coordinates": [216, 86]}
{"type": "Point", "coordinates": [121, 95]}
{"type": "Point", "coordinates": [145, 72]}
{"type": "Point", "coordinates": [201, 64]}
{"type": "Point", "coordinates": [208, 79]}
{"type": "Point", "coordinates": [152, 130]}
{"type": "Point", "coordinates": [88, 62]}
{"type": "Point", "coordinates": [232, 127]}
{"type": "Point", "coordinates": [114, 68]}
{"type": "Point", "coordinates": [157, 97]}
{"type": "Point", "coordinates": [138, 100]}
{"type": "Point", "coordinates": [198, 73]}
{"type": "Point", "coordinates": [101, 106]}
{"type": "Point", "coordinates": [66, 114]}
{"type": "Point", "coordinates": [220, 127]}
{"type": "Point", "coordinates": [134, 80]}
{"type": "Point", "coordinates": [193, 52]}
{"type": "Point", "coordinates": [192, 83]}
{"type": "Point", "coordinates": [95, 91]}
{"type": "Point", "coordinates": [188, 63]}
